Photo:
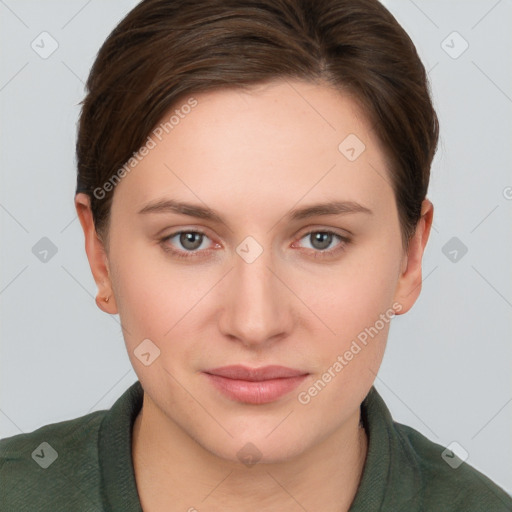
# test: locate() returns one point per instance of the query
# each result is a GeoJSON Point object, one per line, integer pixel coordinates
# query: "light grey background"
{"type": "Point", "coordinates": [446, 371]}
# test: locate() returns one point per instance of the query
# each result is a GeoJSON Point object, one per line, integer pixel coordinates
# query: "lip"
{"type": "Point", "coordinates": [255, 385]}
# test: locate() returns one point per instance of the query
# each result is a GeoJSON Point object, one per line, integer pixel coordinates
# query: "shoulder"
{"type": "Point", "coordinates": [56, 465]}
{"type": "Point", "coordinates": [447, 482]}
{"type": "Point", "coordinates": [15, 447]}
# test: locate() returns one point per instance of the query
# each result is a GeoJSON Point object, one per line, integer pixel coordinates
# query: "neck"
{"type": "Point", "coordinates": [174, 472]}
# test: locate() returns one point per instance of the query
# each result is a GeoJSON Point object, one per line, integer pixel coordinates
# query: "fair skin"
{"type": "Point", "coordinates": [253, 157]}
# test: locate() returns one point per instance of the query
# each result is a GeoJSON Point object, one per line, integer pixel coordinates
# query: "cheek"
{"type": "Point", "coordinates": [351, 295]}
{"type": "Point", "coordinates": [159, 300]}
{"type": "Point", "coordinates": [358, 308]}
{"type": "Point", "coordinates": [354, 301]}
{"type": "Point", "coordinates": [146, 302]}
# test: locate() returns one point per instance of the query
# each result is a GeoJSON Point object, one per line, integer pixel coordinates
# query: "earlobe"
{"type": "Point", "coordinates": [410, 279]}
{"type": "Point", "coordinates": [96, 254]}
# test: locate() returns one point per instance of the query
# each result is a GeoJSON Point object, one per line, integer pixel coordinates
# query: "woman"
{"type": "Point", "coordinates": [252, 180]}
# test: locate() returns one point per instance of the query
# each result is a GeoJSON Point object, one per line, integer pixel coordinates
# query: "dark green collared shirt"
{"type": "Point", "coordinates": [85, 464]}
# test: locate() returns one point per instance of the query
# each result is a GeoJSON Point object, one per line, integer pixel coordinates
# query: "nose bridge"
{"type": "Point", "coordinates": [256, 308]}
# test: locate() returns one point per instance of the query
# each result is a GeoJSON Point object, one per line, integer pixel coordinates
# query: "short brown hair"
{"type": "Point", "coordinates": [164, 50]}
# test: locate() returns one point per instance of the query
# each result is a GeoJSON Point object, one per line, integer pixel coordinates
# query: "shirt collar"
{"type": "Point", "coordinates": [119, 488]}
{"type": "Point", "coordinates": [391, 476]}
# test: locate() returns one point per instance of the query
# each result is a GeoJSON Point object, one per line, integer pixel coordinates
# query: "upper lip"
{"type": "Point", "coordinates": [239, 372]}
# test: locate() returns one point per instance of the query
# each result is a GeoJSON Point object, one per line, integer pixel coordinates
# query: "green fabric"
{"type": "Point", "coordinates": [93, 471]}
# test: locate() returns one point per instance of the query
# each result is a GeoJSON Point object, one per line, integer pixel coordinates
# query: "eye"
{"type": "Point", "coordinates": [188, 243]}
{"type": "Point", "coordinates": [321, 240]}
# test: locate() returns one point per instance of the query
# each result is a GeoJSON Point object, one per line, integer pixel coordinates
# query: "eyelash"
{"type": "Point", "coordinates": [318, 254]}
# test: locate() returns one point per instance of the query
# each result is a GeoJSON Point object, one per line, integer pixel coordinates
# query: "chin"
{"type": "Point", "coordinates": [251, 449]}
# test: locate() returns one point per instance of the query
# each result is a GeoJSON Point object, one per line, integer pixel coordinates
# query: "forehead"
{"type": "Point", "coordinates": [284, 140]}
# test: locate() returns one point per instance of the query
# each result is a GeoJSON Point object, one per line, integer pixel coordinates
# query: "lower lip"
{"type": "Point", "coordinates": [249, 392]}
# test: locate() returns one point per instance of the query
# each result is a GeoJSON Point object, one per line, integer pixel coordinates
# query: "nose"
{"type": "Point", "coordinates": [256, 305]}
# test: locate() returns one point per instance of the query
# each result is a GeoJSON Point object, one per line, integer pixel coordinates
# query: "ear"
{"type": "Point", "coordinates": [96, 255]}
{"type": "Point", "coordinates": [410, 279]}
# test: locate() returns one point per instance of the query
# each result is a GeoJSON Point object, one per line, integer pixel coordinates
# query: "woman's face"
{"type": "Point", "coordinates": [258, 281]}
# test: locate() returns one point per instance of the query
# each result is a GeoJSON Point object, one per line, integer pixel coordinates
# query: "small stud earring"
{"type": "Point", "coordinates": [107, 299]}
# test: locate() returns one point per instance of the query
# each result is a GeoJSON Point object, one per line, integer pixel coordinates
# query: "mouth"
{"type": "Point", "coordinates": [255, 385]}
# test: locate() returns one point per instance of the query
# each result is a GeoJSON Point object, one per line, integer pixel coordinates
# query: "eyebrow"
{"type": "Point", "coordinates": [202, 212]}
